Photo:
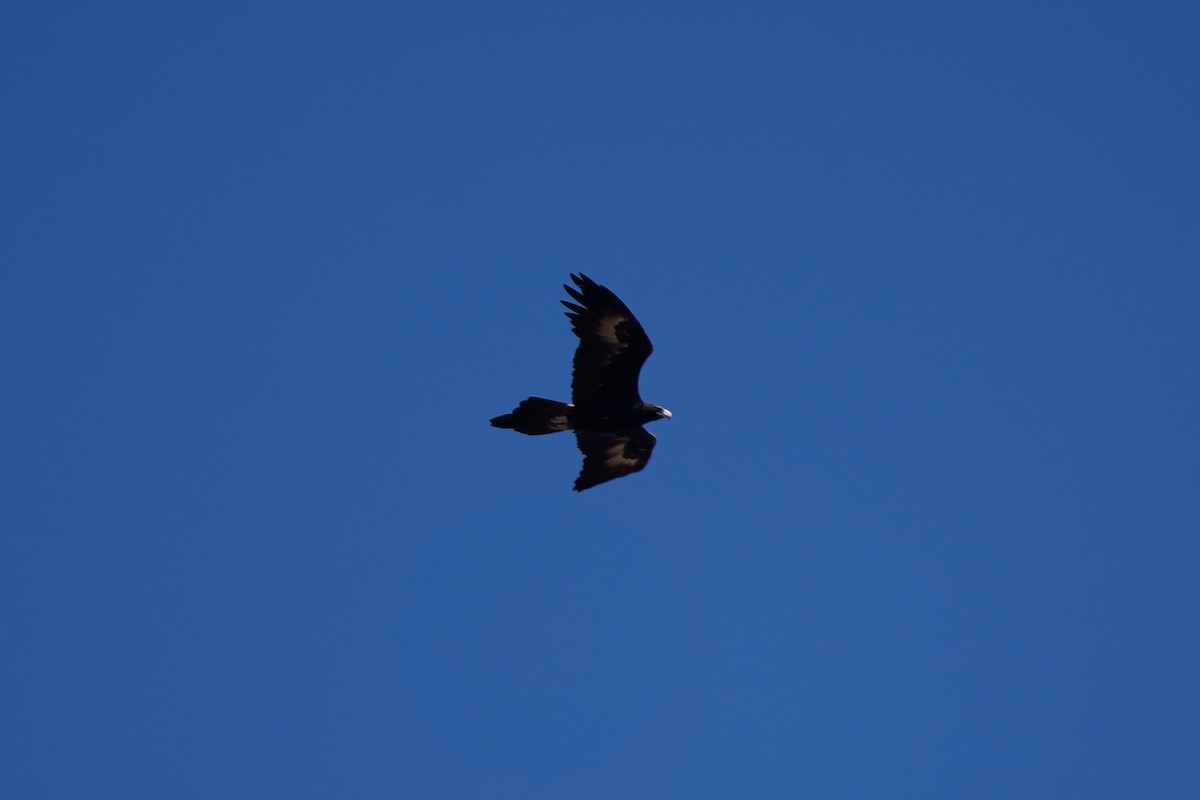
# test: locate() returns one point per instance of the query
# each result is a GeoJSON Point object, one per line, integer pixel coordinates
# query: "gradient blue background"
{"type": "Point", "coordinates": [924, 285]}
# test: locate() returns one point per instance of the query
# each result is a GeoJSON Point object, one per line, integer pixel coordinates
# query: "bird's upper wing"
{"type": "Point", "coordinates": [612, 345]}
{"type": "Point", "coordinates": [611, 455]}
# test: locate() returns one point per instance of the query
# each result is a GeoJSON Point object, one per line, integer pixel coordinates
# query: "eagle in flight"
{"type": "Point", "coordinates": [606, 412]}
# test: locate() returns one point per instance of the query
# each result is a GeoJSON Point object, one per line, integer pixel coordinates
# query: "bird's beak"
{"type": "Point", "coordinates": [665, 414]}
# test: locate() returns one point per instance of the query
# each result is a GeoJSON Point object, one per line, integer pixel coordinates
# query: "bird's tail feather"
{"type": "Point", "coordinates": [535, 416]}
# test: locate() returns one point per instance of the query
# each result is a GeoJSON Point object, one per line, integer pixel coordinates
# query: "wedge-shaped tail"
{"type": "Point", "coordinates": [537, 415]}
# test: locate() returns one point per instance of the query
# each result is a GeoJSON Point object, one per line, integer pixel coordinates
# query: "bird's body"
{"type": "Point", "coordinates": [606, 412]}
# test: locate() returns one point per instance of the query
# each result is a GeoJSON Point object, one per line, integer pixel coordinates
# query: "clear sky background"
{"type": "Point", "coordinates": [923, 281]}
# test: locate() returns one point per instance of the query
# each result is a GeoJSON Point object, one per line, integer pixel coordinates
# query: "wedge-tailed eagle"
{"type": "Point", "coordinates": [606, 412]}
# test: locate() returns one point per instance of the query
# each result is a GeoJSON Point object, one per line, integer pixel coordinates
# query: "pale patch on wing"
{"type": "Point", "coordinates": [606, 331]}
{"type": "Point", "coordinates": [617, 458]}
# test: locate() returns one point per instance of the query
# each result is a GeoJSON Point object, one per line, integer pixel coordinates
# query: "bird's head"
{"type": "Point", "coordinates": [662, 413]}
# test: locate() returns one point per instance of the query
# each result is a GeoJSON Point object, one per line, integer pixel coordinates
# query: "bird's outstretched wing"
{"type": "Point", "coordinates": [611, 455]}
{"type": "Point", "coordinates": [612, 346]}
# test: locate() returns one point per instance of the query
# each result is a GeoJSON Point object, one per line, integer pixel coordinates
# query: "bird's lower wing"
{"type": "Point", "coordinates": [611, 455]}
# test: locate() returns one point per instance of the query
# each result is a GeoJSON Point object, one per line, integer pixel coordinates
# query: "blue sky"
{"type": "Point", "coordinates": [924, 286]}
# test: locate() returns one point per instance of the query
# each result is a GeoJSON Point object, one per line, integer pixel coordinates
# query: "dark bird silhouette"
{"type": "Point", "coordinates": [606, 412]}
